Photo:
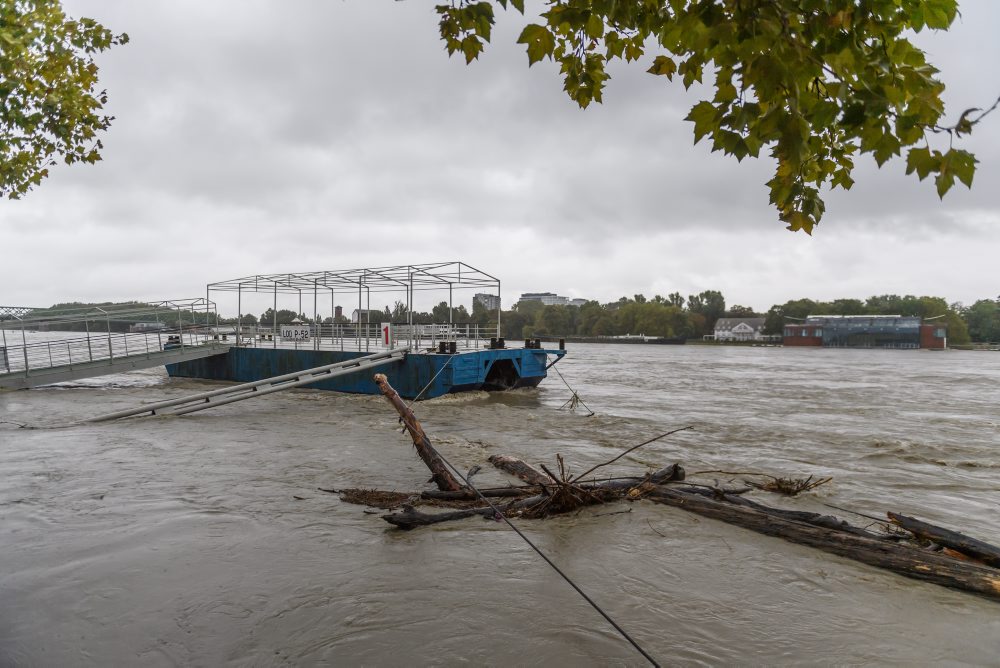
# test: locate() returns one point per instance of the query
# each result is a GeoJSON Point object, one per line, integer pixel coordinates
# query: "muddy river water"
{"type": "Point", "coordinates": [203, 540]}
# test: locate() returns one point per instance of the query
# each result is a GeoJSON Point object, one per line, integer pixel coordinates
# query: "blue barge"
{"type": "Point", "coordinates": [441, 356]}
{"type": "Point", "coordinates": [433, 373]}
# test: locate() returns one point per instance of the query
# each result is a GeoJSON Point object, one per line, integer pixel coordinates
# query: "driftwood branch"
{"type": "Point", "coordinates": [411, 519]}
{"type": "Point", "coordinates": [816, 519]}
{"type": "Point", "coordinates": [970, 547]}
{"type": "Point", "coordinates": [635, 447]}
{"type": "Point", "coordinates": [440, 474]}
{"type": "Point", "coordinates": [520, 469]}
{"type": "Point", "coordinates": [469, 495]}
{"type": "Point", "coordinates": [789, 486]}
{"type": "Point", "coordinates": [903, 559]}
{"type": "Point", "coordinates": [538, 505]}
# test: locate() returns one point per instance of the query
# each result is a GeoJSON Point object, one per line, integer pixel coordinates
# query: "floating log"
{"type": "Point", "coordinates": [469, 495]}
{"type": "Point", "coordinates": [970, 547]}
{"type": "Point", "coordinates": [668, 474]}
{"type": "Point", "coordinates": [521, 470]}
{"type": "Point", "coordinates": [816, 519]}
{"type": "Point", "coordinates": [439, 472]}
{"type": "Point", "coordinates": [903, 559]}
{"type": "Point", "coordinates": [596, 492]}
{"type": "Point", "coordinates": [672, 473]}
{"type": "Point", "coordinates": [411, 519]}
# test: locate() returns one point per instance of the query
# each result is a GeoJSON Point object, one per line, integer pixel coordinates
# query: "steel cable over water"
{"type": "Point", "coordinates": [500, 515]}
{"type": "Point", "coordinates": [549, 561]}
{"type": "Point", "coordinates": [431, 382]}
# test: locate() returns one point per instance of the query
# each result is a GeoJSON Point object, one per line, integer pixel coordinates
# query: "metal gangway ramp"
{"type": "Point", "coordinates": [74, 347]}
{"type": "Point", "coordinates": [259, 388]}
{"type": "Point", "coordinates": [108, 363]}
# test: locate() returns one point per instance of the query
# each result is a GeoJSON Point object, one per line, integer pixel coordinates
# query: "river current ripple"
{"type": "Point", "coordinates": [203, 540]}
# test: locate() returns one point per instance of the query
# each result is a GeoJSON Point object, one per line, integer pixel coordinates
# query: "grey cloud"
{"type": "Point", "coordinates": [261, 136]}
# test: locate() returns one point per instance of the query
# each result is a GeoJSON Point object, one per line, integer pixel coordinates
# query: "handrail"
{"type": "Point", "coordinates": [366, 336]}
{"type": "Point", "coordinates": [41, 355]}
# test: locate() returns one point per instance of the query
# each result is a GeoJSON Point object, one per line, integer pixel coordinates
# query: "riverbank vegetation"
{"type": "Point", "coordinates": [672, 316]}
{"type": "Point", "coordinates": [696, 316]}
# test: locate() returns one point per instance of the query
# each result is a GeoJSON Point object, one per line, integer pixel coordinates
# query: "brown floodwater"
{"type": "Point", "coordinates": [203, 540]}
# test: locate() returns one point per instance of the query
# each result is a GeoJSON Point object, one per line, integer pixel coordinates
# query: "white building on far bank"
{"type": "Point", "coordinates": [551, 299]}
{"type": "Point", "coordinates": [739, 329]}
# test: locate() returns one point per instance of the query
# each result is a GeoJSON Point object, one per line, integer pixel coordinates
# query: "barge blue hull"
{"type": "Point", "coordinates": [498, 369]}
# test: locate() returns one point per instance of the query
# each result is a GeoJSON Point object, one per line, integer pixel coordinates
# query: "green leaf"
{"type": "Point", "coordinates": [595, 27]}
{"type": "Point", "coordinates": [853, 115]}
{"type": "Point", "coordinates": [663, 66]}
{"type": "Point", "coordinates": [691, 71]}
{"type": "Point", "coordinates": [824, 113]}
{"type": "Point", "coordinates": [887, 147]}
{"type": "Point", "coordinates": [944, 181]}
{"type": "Point", "coordinates": [962, 164]}
{"type": "Point", "coordinates": [799, 221]}
{"type": "Point", "coordinates": [540, 42]}
{"type": "Point", "coordinates": [725, 91]}
{"type": "Point", "coordinates": [703, 115]}
{"type": "Point", "coordinates": [842, 178]}
{"type": "Point", "coordinates": [633, 50]}
{"type": "Point", "coordinates": [471, 47]}
{"type": "Point", "coordinates": [920, 160]}
{"type": "Point", "coordinates": [939, 13]}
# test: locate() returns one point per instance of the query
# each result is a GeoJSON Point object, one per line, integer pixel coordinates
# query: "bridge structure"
{"type": "Point", "coordinates": [15, 312]}
{"type": "Point", "coordinates": [45, 346]}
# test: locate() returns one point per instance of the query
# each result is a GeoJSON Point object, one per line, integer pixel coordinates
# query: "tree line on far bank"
{"type": "Point", "coordinates": [669, 317]}
{"type": "Point", "coordinates": [695, 317]}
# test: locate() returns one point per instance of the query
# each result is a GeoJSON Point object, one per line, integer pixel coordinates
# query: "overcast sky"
{"type": "Point", "coordinates": [262, 137]}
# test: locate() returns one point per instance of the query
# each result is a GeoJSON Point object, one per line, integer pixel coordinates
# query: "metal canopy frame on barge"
{"type": "Point", "coordinates": [460, 356]}
{"type": "Point", "coordinates": [408, 279]}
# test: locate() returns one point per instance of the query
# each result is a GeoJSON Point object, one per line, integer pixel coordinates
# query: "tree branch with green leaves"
{"type": "Point", "coordinates": [49, 103]}
{"type": "Point", "coordinates": [814, 82]}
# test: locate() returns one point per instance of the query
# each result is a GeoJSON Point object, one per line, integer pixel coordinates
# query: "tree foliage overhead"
{"type": "Point", "coordinates": [816, 83]}
{"type": "Point", "coordinates": [49, 105]}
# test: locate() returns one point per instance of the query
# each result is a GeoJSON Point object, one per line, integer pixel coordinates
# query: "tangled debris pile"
{"type": "Point", "coordinates": [905, 545]}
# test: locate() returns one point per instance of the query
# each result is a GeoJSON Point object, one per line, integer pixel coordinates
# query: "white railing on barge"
{"type": "Point", "coordinates": [364, 337]}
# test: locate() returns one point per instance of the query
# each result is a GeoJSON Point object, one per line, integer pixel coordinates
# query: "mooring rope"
{"type": "Point", "coordinates": [497, 513]}
{"type": "Point", "coordinates": [575, 399]}
{"type": "Point", "coordinates": [421, 393]}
